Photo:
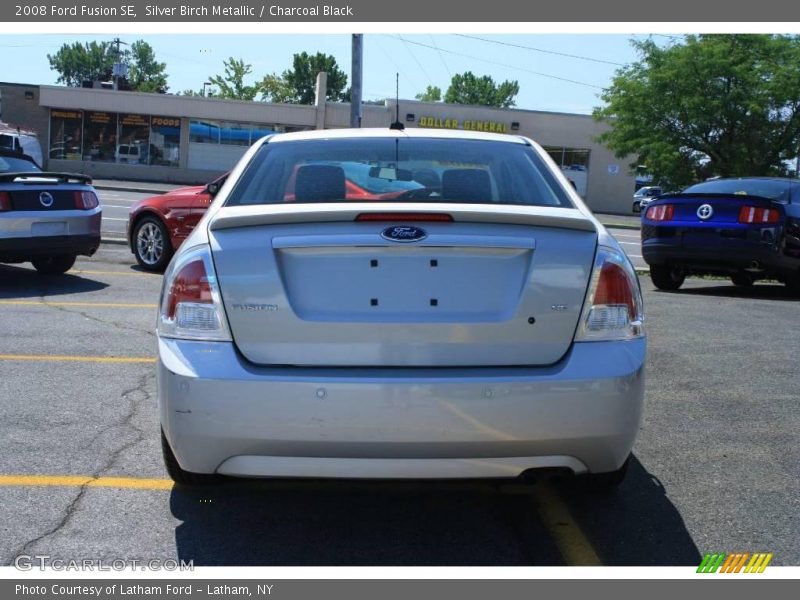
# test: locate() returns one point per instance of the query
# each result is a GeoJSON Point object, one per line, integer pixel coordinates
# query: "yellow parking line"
{"type": "Point", "coordinates": [575, 548]}
{"type": "Point", "coordinates": [93, 272]}
{"type": "Point", "coordinates": [68, 358]}
{"type": "Point", "coordinates": [78, 481]}
{"type": "Point", "coordinates": [83, 304]}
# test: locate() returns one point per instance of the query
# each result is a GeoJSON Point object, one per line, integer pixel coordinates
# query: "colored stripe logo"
{"type": "Point", "coordinates": [739, 562]}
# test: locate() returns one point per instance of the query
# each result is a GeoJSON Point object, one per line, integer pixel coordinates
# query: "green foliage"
{"type": "Point", "coordinates": [78, 62]}
{"type": "Point", "coordinates": [724, 105]}
{"type": "Point", "coordinates": [146, 74]}
{"type": "Point", "coordinates": [94, 61]}
{"type": "Point", "coordinates": [298, 84]}
{"type": "Point", "coordinates": [431, 94]}
{"type": "Point", "coordinates": [232, 85]}
{"type": "Point", "coordinates": [466, 88]}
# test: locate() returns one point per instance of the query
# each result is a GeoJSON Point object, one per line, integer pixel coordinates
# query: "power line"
{"type": "Point", "coordinates": [441, 56]}
{"type": "Point", "coordinates": [414, 56]}
{"type": "Point", "coordinates": [507, 66]}
{"type": "Point", "coordinates": [577, 56]}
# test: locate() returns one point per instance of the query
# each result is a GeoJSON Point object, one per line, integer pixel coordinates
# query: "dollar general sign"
{"type": "Point", "coordinates": [467, 124]}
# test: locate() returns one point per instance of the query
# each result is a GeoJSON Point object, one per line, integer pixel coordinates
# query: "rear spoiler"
{"type": "Point", "coordinates": [59, 177]}
{"type": "Point", "coordinates": [731, 196]}
{"type": "Point", "coordinates": [229, 217]}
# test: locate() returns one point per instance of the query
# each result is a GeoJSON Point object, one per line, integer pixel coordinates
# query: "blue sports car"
{"type": "Point", "coordinates": [747, 228]}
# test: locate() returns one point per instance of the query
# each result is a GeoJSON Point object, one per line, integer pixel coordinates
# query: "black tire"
{"type": "Point", "coordinates": [744, 280]}
{"type": "Point", "coordinates": [667, 277]}
{"type": "Point", "coordinates": [793, 283]}
{"type": "Point", "coordinates": [151, 244]}
{"type": "Point", "coordinates": [177, 474]}
{"type": "Point", "coordinates": [608, 481]}
{"type": "Point", "coordinates": [54, 265]}
{"type": "Point", "coordinates": [637, 207]}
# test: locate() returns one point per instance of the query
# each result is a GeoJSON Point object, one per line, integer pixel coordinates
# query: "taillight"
{"type": "Point", "coordinates": [755, 214]}
{"type": "Point", "coordinates": [85, 200]}
{"type": "Point", "coordinates": [191, 305]}
{"type": "Point", "coordinates": [613, 309]}
{"type": "Point", "coordinates": [5, 201]}
{"type": "Point", "coordinates": [416, 217]}
{"type": "Point", "coordinates": [662, 212]}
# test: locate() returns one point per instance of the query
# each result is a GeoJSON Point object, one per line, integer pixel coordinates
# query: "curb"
{"type": "Point", "coordinates": [114, 241]}
{"type": "Point", "coordinates": [125, 188]}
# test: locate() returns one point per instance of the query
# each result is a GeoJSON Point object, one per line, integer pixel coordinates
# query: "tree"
{"type": "Point", "coordinates": [466, 88]}
{"type": "Point", "coordinates": [232, 85]}
{"type": "Point", "coordinates": [713, 105]}
{"type": "Point", "coordinates": [298, 84]}
{"type": "Point", "coordinates": [78, 62]}
{"type": "Point", "coordinates": [94, 61]}
{"type": "Point", "coordinates": [146, 74]}
{"type": "Point", "coordinates": [431, 94]}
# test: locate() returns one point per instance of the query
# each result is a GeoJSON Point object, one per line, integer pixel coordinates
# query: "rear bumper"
{"type": "Point", "coordinates": [718, 254]}
{"type": "Point", "coordinates": [222, 414]}
{"type": "Point", "coordinates": [27, 235]}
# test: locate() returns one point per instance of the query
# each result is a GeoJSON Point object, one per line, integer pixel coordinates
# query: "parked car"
{"type": "Point", "coordinates": [158, 225]}
{"type": "Point", "coordinates": [644, 196]}
{"type": "Point", "coordinates": [746, 228]}
{"type": "Point", "coordinates": [23, 142]}
{"type": "Point", "coordinates": [481, 327]}
{"type": "Point", "coordinates": [45, 218]}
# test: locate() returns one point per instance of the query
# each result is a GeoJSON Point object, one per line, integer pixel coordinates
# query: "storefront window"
{"type": "Point", "coordinates": [134, 140]}
{"type": "Point", "coordinates": [204, 132]}
{"type": "Point", "coordinates": [235, 134]}
{"type": "Point", "coordinates": [100, 136]}
{"type": "Point", "coordinates": [165, 141]}
{"type": "Point", "coordinates": [66, 127]}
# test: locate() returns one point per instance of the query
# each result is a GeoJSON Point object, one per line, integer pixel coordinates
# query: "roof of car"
{"type": "Point", "coordinates": [385, 132]}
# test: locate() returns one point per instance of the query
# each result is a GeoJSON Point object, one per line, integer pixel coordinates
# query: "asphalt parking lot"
{"type": "Point", "coordinates": [717, 461]}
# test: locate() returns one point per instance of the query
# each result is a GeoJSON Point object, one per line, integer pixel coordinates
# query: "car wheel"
{"type": "Point", "coordinates": [151, 245]}
{"type": "Point", "coordinates": [54, 265]}
{"type": "Point", "coordinates": [177, 474]}
{"type": "Point", "coordinates": [667, 277]}
{"type": "Point", "coordinates": [608, 481]}
{"type": "Point", "coordinates": [742, 280]}
{"type": "Point", "coordinates": [637, 207]}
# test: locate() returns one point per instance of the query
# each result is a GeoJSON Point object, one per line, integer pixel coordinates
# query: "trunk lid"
{"type": "Point", "coordinates": [497, 286]}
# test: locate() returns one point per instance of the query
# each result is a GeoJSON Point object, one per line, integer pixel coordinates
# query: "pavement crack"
{"type": "Point", "coordinates": [113, 324]}
{"type": "Point", "coordinates": [134, 404]}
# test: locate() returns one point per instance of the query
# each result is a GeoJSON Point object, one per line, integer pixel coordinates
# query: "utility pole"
{"type": "Point", "coordinates": [119, 69]}
{"type": "Point", "coordinates": [355, 76]}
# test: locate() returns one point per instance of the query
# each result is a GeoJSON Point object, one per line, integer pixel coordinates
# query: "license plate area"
{"type": "Point", "coordinates": [49, 228]}
{"type": "Point", "coordinates": [401, 283]}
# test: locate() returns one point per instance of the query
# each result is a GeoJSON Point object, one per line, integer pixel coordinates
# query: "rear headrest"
{"type": "Point", "coordinates": [468, 185]}
{"type": "Point", "coordinates": [319, 183]}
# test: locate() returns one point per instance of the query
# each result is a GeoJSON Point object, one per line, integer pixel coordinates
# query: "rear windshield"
{"type": "Point", "coordinates": [397, 170]}
{"type": "Point", "coordinates": [10, 164]}
{"type": "Point", "coordinates": [774, 189]}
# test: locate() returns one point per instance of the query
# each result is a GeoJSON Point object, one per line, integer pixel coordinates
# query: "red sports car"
{"type": "Point", "coordinates": [158, 225]}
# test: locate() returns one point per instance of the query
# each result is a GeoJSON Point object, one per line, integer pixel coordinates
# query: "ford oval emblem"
{"type": "Point", "coordinates": [403, 233]}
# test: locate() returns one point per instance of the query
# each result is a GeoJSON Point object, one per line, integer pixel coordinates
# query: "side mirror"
{"type": "Point", "coordinates": [212, 188]}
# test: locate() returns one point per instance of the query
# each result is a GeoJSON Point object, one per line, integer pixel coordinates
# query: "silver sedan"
{"type": "Point", "coordinates": [399, 304]}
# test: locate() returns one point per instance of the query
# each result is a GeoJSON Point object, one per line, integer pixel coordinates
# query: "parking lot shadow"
{"type": "Point", "coordinates": [17, 282]}
{"type": "Point", "coordinates": [242, 523]}
{"type": "Point", "coordinates": [759, 291]}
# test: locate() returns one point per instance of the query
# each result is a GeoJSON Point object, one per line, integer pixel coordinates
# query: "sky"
{"type": "Point", "coordinates": [562, 73]}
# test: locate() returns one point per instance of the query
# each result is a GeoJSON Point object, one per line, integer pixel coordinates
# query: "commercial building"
{"type": "Point", "coordinates": [188, 139]}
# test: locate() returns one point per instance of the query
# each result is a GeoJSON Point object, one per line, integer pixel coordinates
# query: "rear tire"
{"type": "Point", "coordinates": [151, 244]}
{"type": "Point", "coordinates": [177, 474]}
{"type": "Point", "coordinates": [744, 280]}
{"type": "Point", "coordinates": [608, 481]}
{"type": "Point", "coordinates": [667, 277]}
{"type": "Point", "coordinates": [54, 265]}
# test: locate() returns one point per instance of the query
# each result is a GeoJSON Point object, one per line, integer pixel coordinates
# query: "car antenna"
{"type": "Point", "coordinates": [397, 124]}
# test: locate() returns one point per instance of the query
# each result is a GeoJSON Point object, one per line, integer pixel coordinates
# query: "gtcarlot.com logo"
{"type": "Point", "coordinates": [26, 562]}
{"type": "Point", "coordinates": [740, 562]}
